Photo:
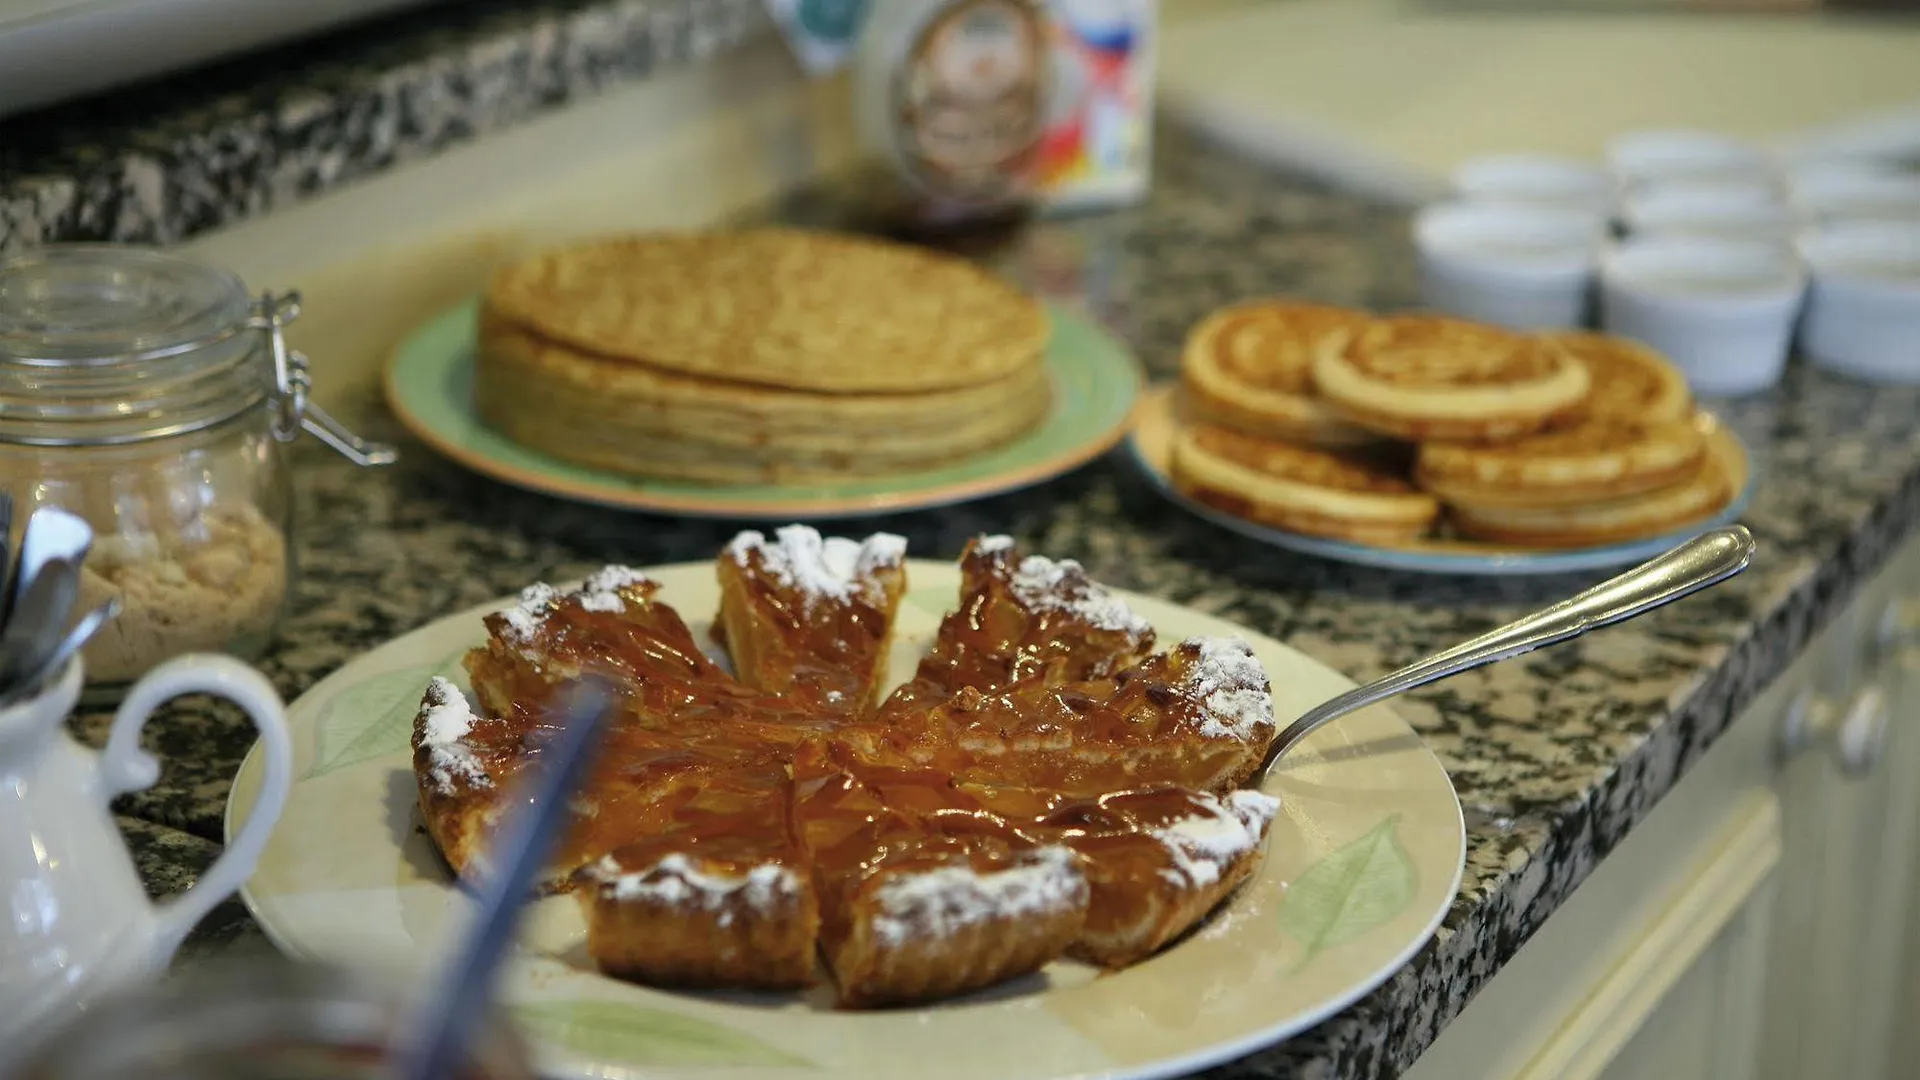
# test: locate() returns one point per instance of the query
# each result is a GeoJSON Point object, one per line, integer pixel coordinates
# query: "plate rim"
{"type": "Point", "coordinates": [719, 508]}
{"type": "Point", "coordinates": [555, 1061]}
{"type": "Point", "coordinates": [1503, 564]}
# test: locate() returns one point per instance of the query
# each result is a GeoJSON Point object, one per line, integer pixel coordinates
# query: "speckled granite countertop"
{"type": "Point", "coordinates": [1555, 757]}
{"type": "Point", "coordinates": [166, 159]}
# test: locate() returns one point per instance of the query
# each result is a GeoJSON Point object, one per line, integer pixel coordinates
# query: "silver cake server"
{"type": "Point", "coordinates": [1707, 559]}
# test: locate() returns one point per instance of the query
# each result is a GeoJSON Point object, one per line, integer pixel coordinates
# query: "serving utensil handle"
{"type": "Point", "coordinates": [1705, 560]}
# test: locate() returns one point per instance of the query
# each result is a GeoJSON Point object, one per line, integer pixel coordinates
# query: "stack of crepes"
{"type": "Point", "coordinates": [758, 356]}
{"type": "Point", "coordinates": [1385, 430]}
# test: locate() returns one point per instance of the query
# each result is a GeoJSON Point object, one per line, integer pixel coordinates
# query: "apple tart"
{"type": "Point", "coordinates": [1048, 782]}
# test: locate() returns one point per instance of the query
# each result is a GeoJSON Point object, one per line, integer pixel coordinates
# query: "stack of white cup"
{"type": "Point", "coordinates": [1708, 248]}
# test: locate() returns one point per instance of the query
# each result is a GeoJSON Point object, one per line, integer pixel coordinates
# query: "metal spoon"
{"type": "Point", "coordinates": [1707, 559]}
{"type": "Point", "coordinates": [63, 651]}
{"type": "Point", "coordinates": [38, 617]}
{"type": "Point", "coordinates": [6, 550]}
{"type": "Point", "coordinates": [435, 1044]}
{"type": "Point", "coordinates": [50, 533]}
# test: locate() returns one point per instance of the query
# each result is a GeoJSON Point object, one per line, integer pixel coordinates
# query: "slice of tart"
{"type": "Point", "coordinates": [811, 617]}
{"type": "Point", "coordinates": [714, 892]}
{"type": "Point", "coordinates": [1023, 617]}
{"type": "Point", "coordinates": [1157, 862]}
{"type": "Point", "coordinates": [922, 896]}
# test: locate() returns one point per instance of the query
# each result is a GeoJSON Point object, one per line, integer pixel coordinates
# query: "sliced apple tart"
{"type": "Point", "coordinates": [1047, 783]}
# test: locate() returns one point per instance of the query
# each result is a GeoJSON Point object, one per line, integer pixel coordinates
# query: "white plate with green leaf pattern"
{"type": "Point", "coordinates": [1363, 861]}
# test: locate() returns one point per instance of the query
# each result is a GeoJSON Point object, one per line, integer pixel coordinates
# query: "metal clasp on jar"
{"type": "Point", "coordinates": [293, 385]}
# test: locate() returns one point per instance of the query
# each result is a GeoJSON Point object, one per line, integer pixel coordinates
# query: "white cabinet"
{"type": "Point", "coordinates": [1761, 924]}
{"type": "Point", "coordinates": [1851, 799]}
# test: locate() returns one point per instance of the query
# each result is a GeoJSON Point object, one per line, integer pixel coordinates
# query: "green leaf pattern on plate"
{"type": "Point", "coordinates": [375, 718]}
{"type": "Point", "coordinates": [1354, 888]}
{"type": "Point", "coordinates": [636, 1035]}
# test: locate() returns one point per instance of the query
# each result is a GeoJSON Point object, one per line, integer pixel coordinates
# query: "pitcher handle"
{"type": "Point", "coordinates": [125, 767]}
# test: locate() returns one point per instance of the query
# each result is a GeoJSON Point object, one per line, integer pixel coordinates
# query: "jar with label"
{"type": "Point", "coordinates": [1095, 148]}
{"type": "Point", "coordinates": [151, 395]}
{"type": "Point", "coordinates": [952, 97]}
{"type": "Point", "coordinates": [265, 1019]}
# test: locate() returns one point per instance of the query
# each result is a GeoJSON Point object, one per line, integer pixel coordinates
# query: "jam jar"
{"type": "Point", "coordinates": [152, 396]}
{"type": "Point", "coordinates": [256, 1019]}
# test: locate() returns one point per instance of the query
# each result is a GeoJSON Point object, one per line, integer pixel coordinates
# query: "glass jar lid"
{"type": "Point", "coordinates": [102, 344]}
{"type": "Point", "coordinates": [96, 304]}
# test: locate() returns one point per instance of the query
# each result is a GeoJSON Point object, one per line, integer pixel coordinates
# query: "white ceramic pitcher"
{"type": "Point", "coordinates": [78, 922]}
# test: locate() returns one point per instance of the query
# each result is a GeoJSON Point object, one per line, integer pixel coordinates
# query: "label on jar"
{"type": "Point", "coordinates": [967, 100]}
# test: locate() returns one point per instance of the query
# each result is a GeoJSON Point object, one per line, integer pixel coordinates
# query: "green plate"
{"type": "Point", "coordinates": [1096, 384]}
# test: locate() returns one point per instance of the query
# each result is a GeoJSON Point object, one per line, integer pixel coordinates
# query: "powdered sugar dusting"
{"type": "Point", "coordinates": [1255, 809]}
{"type": "Point", "coordinates": [1202, 845]}
{"type": "Point", "coordinates": [1231, 687]}
{"type": "Point", "coordinates": [993, 545]}
{"type": "Point", "coordinates": [524, 617]}
{"type": "Point", "coordinates": [675, 881]}
{"type": "Point", "coordinates": [602, 591]}
{"type": "Point", "coordinates": [1043, 584]}
{"type": "Point", "coordinates": [820, 567]}
{"type": "Point", "coordinates": [446, 720]}
{"type": "Point", "coordinates": [881, 551]}
{"type": "Point", "coordinates": [946, 901]}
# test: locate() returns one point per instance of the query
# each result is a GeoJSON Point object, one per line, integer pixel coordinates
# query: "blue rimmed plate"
{"type": "Point", "coordinates": [1151, 442]}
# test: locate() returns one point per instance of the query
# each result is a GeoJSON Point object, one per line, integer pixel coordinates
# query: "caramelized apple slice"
{"type": "Point", "coordinates": [929, 901]}
{"type": "Point", "coordinates": [1025, 618]}
{"type": "Point", "coordinates": [811, 618]}
{"type": "Point", "coordinates": [1198, 716]}
{"type": "Point", "coordinates": [1157, 862]}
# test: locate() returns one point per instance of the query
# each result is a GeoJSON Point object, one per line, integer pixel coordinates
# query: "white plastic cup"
{"type": "Point", "coordinates": [1888, 138]}
{"type": "Point", "coordinates": [1721, 309]}
{"type": "Point", "coordinates": [1851, 191]}
{"type": "Point", "coordinates": [1863, 309]}
{"type": "Point", "coordinates": [1744, 208]}
{"type": "Point", "coordinates": [1535, 180]}
{"type": "Point", "coordinates": [1652, 156]}
{"type": "Point", "coordinates": [1527, 268]}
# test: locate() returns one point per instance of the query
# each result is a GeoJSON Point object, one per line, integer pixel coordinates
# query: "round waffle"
{"type": "Point", "coordinates": [1303, 489]}
{"type": "Point", "coordinates": [781, 308]}
{"type": "Point", "coordinates": [1588, 461]}
{"type": "Point", "coordinates": [1249, 367]}
{"type": "Point", "coordinates": [1428, 377]}
{"type": "Point", "coordinates": [1650, 513]}
{"type": "Point", "coordinates": [1633, 433]}
{"type": "Point", "coordinates": [1630, 381]}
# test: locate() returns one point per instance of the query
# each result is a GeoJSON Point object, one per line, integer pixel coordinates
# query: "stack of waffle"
{"type": "Point", "coordinates": [758, 356]}
{"type": "Point", "coordinates": [1385, 431]}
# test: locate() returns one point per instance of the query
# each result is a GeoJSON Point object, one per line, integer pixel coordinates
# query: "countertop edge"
{"type": "Point", "coordinates": [1480, 934]}
{"type": "Point", "coordinates": [351, 105]}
